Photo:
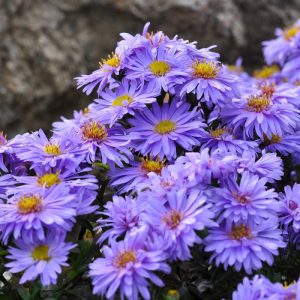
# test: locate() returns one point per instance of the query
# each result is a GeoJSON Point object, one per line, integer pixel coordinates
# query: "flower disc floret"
{"type": "Point", "coordinates": [123, 100]}
{"type": "Point", "coordinates": [203, 69]}
{"type": "Point", "coordinates": [49, 179]}
{"type": "Point", "coordinates": [159, 68]}
{"type": "Point", "coordinates": [258, 103]}
{"type": "Point", "coordinates": [240, 231]}
{"type": "Point", "coordinates": [124, 258]}
{"type": "Point", "coordinates": [52, 149]}
{"type": "Point", "coordinates": [29, 204]}
{"type": "Point", "coordinates": [41, 253]}
{"type": "Point", "coordinates": [94, 131]}
{"type": "Point", "coordinates": [165, 127]}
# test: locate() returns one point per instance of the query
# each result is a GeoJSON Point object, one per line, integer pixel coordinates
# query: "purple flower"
{"type": "Point", "coordinates": [178, 219]}
{"type": "Point", "coordinates": [109, 145]}
{"type": "Point", "coordinates": [250, 199]}
{"type": "Point", "coordinates": [210, 82]}
{"type": "Point", "coordinates": [291, 69]}
{"type": "Point", "coordinates": [222, 139]}
{"type": "Point", "coordinates": [39, 258]}
{"type": "Point", "coordinates": [129, 267]}
{"type": "Point", "coordinates": [256, 114]}
{"type": "Point", "coordinates": [290, 206]}
{"type": "Point", "coordinates": [162, 67]}
{"type": "Point", "coordinates": [35, 211]}
{"type": "Point", "coordinates": [104, 75]}
{"type": "Point", "coordinates": [126, 99]}
{"type": "Point", "coordinates": [122, 215]}
{"type": "Point", "coordinates": [245, 245]}
{"type": "Point", "coordinates": [158, 131]}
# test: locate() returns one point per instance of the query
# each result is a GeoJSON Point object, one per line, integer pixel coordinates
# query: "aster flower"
{"type": "Point", "coordinates": [134, 176]}
{"type": "Point", "coordinates": [244, 245]}
{"type": "Point", "coordinates": [256, 114]}
{"type": "Point", "coordinates": [127, 266]}
{"type": "Point", "coordinates": [163, 67]}
{"type": "Point", "coordinates": [122, 215]}
{"type": "Point", "coordinates": [178, 219]}
{"type": "Point", "coordinates": [93, 138]}
{"type": "Point", "coordinates": [159, 130]}
{"type": "Point", "coordinates": [41, 151]}
{"type": "Point", "coordinates": [210, 82]}
{"type": "Point", "coordinates": [222, 139]}
{"type": "Point", "coordinates": [35, 211]}
{"type": "Point", "coordinates": [289, 211]}
{"type": "Point", "coordinates": [39, 258]}
{"type": "Point", "coordinates": [291, 68]}
{"type": "Point", "coordinates": [108, 67]}
{"type": "Point", "coordinates": [278, 50]}
{"type": "Point", "coordinates": [268, 166]}
{"type": "Point", "coordinates": [126, 99]}
{"type": "Point", "coordinates": [250, 199]}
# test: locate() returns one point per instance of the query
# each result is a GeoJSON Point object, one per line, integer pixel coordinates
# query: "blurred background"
{"type": "Point", "coordinates": [44, 44]}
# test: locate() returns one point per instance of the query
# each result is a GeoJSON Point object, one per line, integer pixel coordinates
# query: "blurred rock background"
{"type": "Point", "coordinates": [44, 44]}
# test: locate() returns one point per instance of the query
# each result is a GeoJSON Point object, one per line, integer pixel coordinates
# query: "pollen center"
{"type": "Point", "coordinates": [274, 139]}
{"type": "Point", "coordinates": [173, 219]}
{"type": "Point", "coordinates": [41, 253]}
{"type": "Point", "coordinates": [243, 199]}
{"type": "Point", "coordinates": [268, 90]}
{"type": "Point", "coordinates": [165, 126]}
{"type": "Point", "coordinates": [159, 68]}
{"type": "Point", "coordinates": [150, 165]}
{"type": "Point", "coordinates": [112, 60]}
{"type": "Point", "coordinates": [94, 131]}
{"type": "Point", "coordinates": [29, 204]}
{"type": "Point", "coordinates": [266, 72]}
{"type": "Point", "coordinates": [258, 103]}
{"type": "Point", "coordinates": [207, 70]}
{"type": "Point", "coordinates": [124, 258]}
{"type": "Point", "coordinates": [240, 231]}
{"type": "Point", "coordinates": [218, 132]}
{"type": "Point", "coordinates": [52, 149]}
{"type": "Point", "coordinates": [291, 32]}
{"type": "Point", "coordinates": [49, 179]}
{"type": "Point", "coordinates": [123, 100]}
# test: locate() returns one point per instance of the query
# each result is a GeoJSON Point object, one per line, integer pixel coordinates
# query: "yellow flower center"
{"type": "Point", "coordinates": [240, 198]}
{"type": "Point", "coordinates": [172, 219]}
{"type": "Point", "coordinates": [3, 139]}
{"type": "Point", "coordinates": [266, 72]}
{"type": "Point", "coordinates": [123, 100]}
{"type": "Point", "coordinates": [258, 103]}
{"type": "Point", "coordinates": [52, 149]}
{"type": "Point", "coordinates": [165, 126]}
{"type": "Point", "coordinates": [240, 231]}
{"type": "Point", "coordinates": [205, 69]}
{"type": "Point", "coordinates": [124, 258]}
{"type": "Point", "coordinates": [112, 60]}
{"type": "Point", "coordinates": [159, 68]}
{"type": "Point", "coordinates": [41, 253]}
{"type": "Point", "coordinates": [94, 131]}
{"type": "Point", "coordinates": [150, 165]}
{"type": "Point", "coordinates": [274, 139]}
{"type": "Point", "coordinates": [49, 179]}
{"type": "Point", "coordinates": [291, 32]}
{"type": "Point", "coordinates": [218, 132]}
{"type": "Point", "coordinates": [29, 204]}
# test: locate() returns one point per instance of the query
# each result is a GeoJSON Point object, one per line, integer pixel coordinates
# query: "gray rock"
{"type": "Point", "coordinates": [44, 44]}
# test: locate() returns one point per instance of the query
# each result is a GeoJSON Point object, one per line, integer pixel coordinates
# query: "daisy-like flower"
{"type": "Point", "coordinates": [160, 130]}
{"type": "Point", "coordinates": [289, 211]}
{"type": "Point", "coordinates": [245, 245]}
{"type": "Point", "coordinates": [284, 144]}
{"type": "Point", "coordinates": [291, 69]}
{"type": "Point", "coordinates": [163, 67]}
{"type": "Point", "coordinates": [109, 145]}
{"type": "Point", "coordinates": [126, 99]}
{"type": "Point", "coordinates": [222, 139]}
{"type": "Point", "coordinates": [256, 114]}
{"type": "Point", "coordinates": [127, 266]}
{"type": "Point", "coordinates": [134, 176]}
{"type": "Point", "coordinates": [34, 212]}
{"type": "Point", "coordinates": [184, 213]}
{"type": "Point", "coordinates": [122, 215]}
{"type": "Point", "coordinates": [211, 82]}
{"type": "Point", "coordinates": [250, 199]}
{"type": "Point", "coordinates": [108, 67]}
{"type": "Point", "coordinates": [39, 150]}
{"type": "Point", "coordinates": [39, 258]}
{"type": "Point", "coordinates": [278, 50]}
{"type": "Point", "coordinates": [268, 166]}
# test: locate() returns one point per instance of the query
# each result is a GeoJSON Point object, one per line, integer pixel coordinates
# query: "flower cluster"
{"type": "Point", "coordinates": [178, 154]}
